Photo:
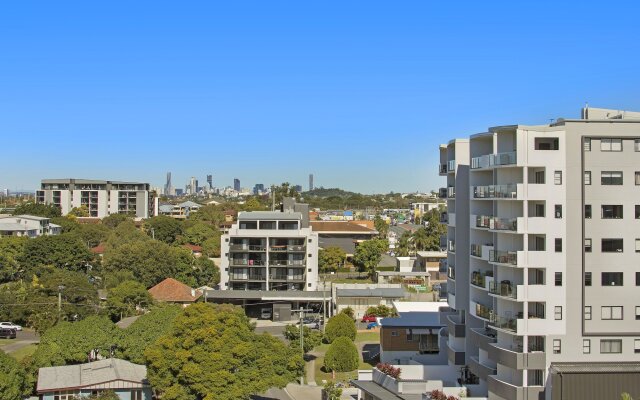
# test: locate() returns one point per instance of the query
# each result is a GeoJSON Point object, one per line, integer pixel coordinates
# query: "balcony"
{"type": "Point", "coordinates": [508, 191]}
{"type": "Point", "coordinates": [451, 246]}
{"type": "Point", "coordinates": [444, 218]}
{"type": "Point", "coordinates": [239, 247]}
{"type": "Point", "coordinates": [509, 324]}
{"type": "Point", "coordinates": [287, 278]}
{"type": "Point", "coordinates": [296, 248]}
{"type": "Point", "coordinates": [482, 337]}
{"type": "Point", "coordinates": [504, 289]}
{"type": "Point", "coordinates": [482, 311]}
{"type": "Point", "coordinates": [442, 193]}
{"type": "Point", "coordinates": [516, 359]}
{"type": "Point", "coordinates": [482, 279]}
{"type": "Point", "coordinates": [494, 160]}
{"type": "Point", "coordinates": [481, 251]}
{"type": "Point", "coordinates": [512, 392]}
{"type": "Point", "coordinates": [278, 249]}
{"type": "Point", "coordinates": [455, 357]}
{"type": "Point", "coordinates": [451, 192]}
{"type": "Point", "coordinates": [451, 273]}
{"type": "Point", "coordinates": [257, 248]}
{"type": "Point", "coordinates": [507, 258]}
{"type": "Point", "coordinates": [455, 326]}
{"type": "Point", "coordinates": [442, 169]}
{"type": "Point", "coordinates": [451, 166]}
{"type": "Point", "coordinates": [481, 370]}
{"type": "Point", "coordinates": [504, 224]}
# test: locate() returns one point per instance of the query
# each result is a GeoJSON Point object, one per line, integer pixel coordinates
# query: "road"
{"type": "Point", "coordinates": [24, 338]}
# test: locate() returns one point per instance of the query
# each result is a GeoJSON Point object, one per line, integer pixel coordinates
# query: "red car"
{"type": "Point", "coordinates": [369, 318]}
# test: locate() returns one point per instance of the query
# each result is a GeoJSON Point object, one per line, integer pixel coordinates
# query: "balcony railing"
{"type": "Point", "coordinates": [451, 165]}
{"type": "Point", "coordinates": [483, 221]}
{"type": "Point", "coordinates": [491, 160]}
{"type": "Point", "coordinates": [503, 257]}
{"type": "Point", "coordinates": [504, 224]}
{"type": "Point", "coordinates": [238, 247]}
{"type": "Point", "coordinates": [451, 246]}
{"type": "Point", "coordinates": [451, 273]}
{"type": "Point", "coordinates": [506, 323]}
{"type": "Point", "coordinates": [478, 278]}
{"type": "Point", "coordinates": [257, 248]}
{"type": "Point", "coordinates": [484, 311]}
{"type": "Point", "coordinates": [442, 193]}
{"type": "Point", "coordinates": [444, 218]}
{"type": "Point", "coordinates": [505, 289]}
{"type": "Point", "coordinates": [451, 192]}
{"type": "Point", "coordinates": [278, 249]}
{"type": "Point", "coordinates": [296, 247]}
{"type": "Point", "coordinates": [442, 168]}
{"type": "Point", "coordinates": [509, 191]}
{"type": "Point", "coordinates": [476, 250]}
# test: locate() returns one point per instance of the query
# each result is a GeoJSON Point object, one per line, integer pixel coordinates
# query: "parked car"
{"type": "Point", "coordinates": [372, 325]}
{"type": "Point", "coordinates": [7, 333]}
{"type": "Point", "coordinates": [369, 318]}
{"type": "Point", "coordinates": [265, 313]}
{"type": "Point", "coordinates": [10, 325]}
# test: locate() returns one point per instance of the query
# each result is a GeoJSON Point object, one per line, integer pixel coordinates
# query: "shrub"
{"type": "Point", "coordinates": [340, 325]}
{"type": "Point", "coordinates": [342, 355]}
{"type": "Point", "coordinates": [439, 395]}
{"type": "Point", "coordinates": [349, 312]}
{"type": "Point", "coordinates": [389, 369]}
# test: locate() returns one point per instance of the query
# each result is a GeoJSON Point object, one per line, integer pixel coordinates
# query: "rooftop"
{"type": "Point", "coordinates": [418, 319]}
{"type": "Point", "coordinates": [267, 294]}
{"type": "Point", "coordinates": [174, 291]}
{"type": "Point", "coordinates": [340, 227]}
{"type": "Point", "coordinates": [269, 216]}
{"type": "Point", "coordinates": [90, 374]}
{"type": "Point", "coordinates": [390, 293]}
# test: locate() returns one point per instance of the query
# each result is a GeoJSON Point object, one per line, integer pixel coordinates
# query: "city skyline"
{"type": "Point", "coordinates": [359, 97]}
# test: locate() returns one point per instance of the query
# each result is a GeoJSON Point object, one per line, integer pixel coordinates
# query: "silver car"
{"type": "Point", "coordinates": [10, 325]}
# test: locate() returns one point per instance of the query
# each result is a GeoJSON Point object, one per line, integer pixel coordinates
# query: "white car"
{"type": "Point", "coordinates": [10, 325]}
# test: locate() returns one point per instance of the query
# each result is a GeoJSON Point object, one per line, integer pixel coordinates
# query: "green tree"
{"type": "Point", "coordinates": [206, 272]}
{"type": "Point", "coordinates": [199, 232]}
{"type": "Point", "coordinates": [330, 258]}
{"type": "Point", "coordinates": [62, 251]}
{"type": "Point", "coordinates": [340, 325]}
{"type": "Point", "coordinates": [369, 253]}
{"type": "Point", "coordinates": [252, 204]}
{"type": "Point", "coordinates": [151, 262]}
{"type": "Point", "coordinates": [13, 378]}
{"type": "Point", "coordinates": [331, 391]}
{"type": "Point", "coordinates": [37, 209]}
{"type": "Point", "coordinates": [82, 211]}
{"type": "Point", "coordinates": [381, 226]}
{"type": "Point", "coordinates": [145, 331]}
{"type": "Point", "coordinates": [405, 244]}
{"type": "Point", "coordinates": [211, 247]}
{"type": "Point", "coordinates": [103, 395]}
{"type": "Point", "coordinates": [112, 279]}
{"type": "Point", "coordinates": [212, 352]}
{"type": "Point", "coordinates": [285, 190]}
{"type": "Point", "coordinates": [67, 223]}
{"type": "Point", "coordinates": [125, 233]}
{"type": "Point", "coordinates": [209, 213]}
{"type": "Point", "coordinates": [163, 228]}
{"type": "Point", "coordinates": [124, 299]}
{"type": "Point", "coordinates": [349, 312]}
{"type": "Point", "coordinates": [380, 311]}
{"type": "Point", "coordinates": [342, 356]}
{"type": "Point", "coordinates": [79, 296]}
{"type": "Point", "coordinates": [9, 268]}
{"type": "Point", "coordinates": [311, 338]}
{"type": "Point", "coordinates": [433, 231]}
{"type": "Point", "coordinates": [112, 221]}
{"type": "Point", "coordinates": [93, 234]}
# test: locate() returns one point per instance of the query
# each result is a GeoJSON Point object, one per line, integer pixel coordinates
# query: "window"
{"type": "Point", "coordinates": [611, 245]}
{"type": "Point", "coordinates": [636, 346]}
{"type": "Point", "coordinates": [558, 279]}
{"type": "Point", "coordinates": [610, 144]}
{"type": "Point", "coordinates": [637, 312]}
{"type": "Point", "coordinates": [556, 346]}
{"type": "Point", "coordinates": [637, 212]}
{"type": "Point", "coordinates": [587, 313]}
{"type": "Point", "coordinates": [637, 178]}
{"type": "Point", "coordinates": [310, 255]}
{"type": "Point", "coordinates": [136, 395]}
{"type": "Point", "coordinates": [611, 312]}
{"type": "Point", "coordinates": [309, 240]}
{"type": "Point", "coordinates": [558, 245]}
{"type": "Point", "coordinates": [309, 270]}
{"type": "Point", "coordinates": [637, 278]}
{"type": "Point", "coordinates": [394, 333]}
{"type": "Point", "coordinates": [612, 279]}
{"type": "Point", "coordinates": [558, 210]}
{"type": "Point", "coordinates": [544, 143]}
{"type": "Point", "coordinates": [637, 245]}
{"type": "Point", "coordinates": [65, 395]}
{"type": "Point", "coordinates": [636, 145]}
{"type": "Point", "coordinates": [586, 346]}
{"type": "Point", "coordinates": [611, 178]}
{"type": "Point", "coordinates": [539, 210]}
{"type": "Point", "coordinates": [587, 177]}
{"type": "Point", "coordinates": [409, 336]}
{"type": "Point", "coordinates": [587, 278]}
{"type": "Point", "coordinates": [610, 346]}
{"type": "Point", "coordinates": [538, 177]}
{"type": "Point", "coordinates": [587, 144]}
{"type": "Point", "coordinates": [610, 211]}
{"type": "Point", "coordinates": [587, 245]}
{"type": "Point", "coordinates": [587, 211]}
{"type": "Point", "coordinates": [557, 178]}
{"type": "Point", "coordinates": [557, 312]}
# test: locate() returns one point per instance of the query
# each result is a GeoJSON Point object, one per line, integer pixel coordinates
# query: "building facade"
{"type": "Point", "coordinates": [101, 198]}
{"type": "Point", "coordinates": [28, 225]}
{"type": "Point", "coordinates": [543, 254]}
{"type": "Point", "coordinates": [270, 250]}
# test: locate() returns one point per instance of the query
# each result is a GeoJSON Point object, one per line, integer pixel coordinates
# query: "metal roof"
{"type": "Point", "coordinates": [400, 273]}
{"type": "Point", "coordinates": [379, 392]}
{"type": "Point", "coordinates": [596, 367]}
{"type": "Point", "coordinates": [393, 293]}
{"type": "Point", "coordinates": [418, 319]}
{"type": "Point", "coordinates": [14, 227]}
{"type": "Point", "coordinates": [94, 373]}
{"type": "Point", "coordinates": [269, 215]}
{"type": "Point", "coordinates": [266, 295]}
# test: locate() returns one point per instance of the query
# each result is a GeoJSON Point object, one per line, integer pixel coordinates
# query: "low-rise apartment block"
{"type": "Point", "coordinates": [101, 198]}
{"type": "Point", "coordinates": [27, 225]}
{"type": "Point", "coordinates": [543, 257]}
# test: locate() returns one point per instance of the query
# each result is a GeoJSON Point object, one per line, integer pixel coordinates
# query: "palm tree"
{"type": "Point", "coordinates": [421, 239]}
{"type": "Point", "coordinates": [404, 245]}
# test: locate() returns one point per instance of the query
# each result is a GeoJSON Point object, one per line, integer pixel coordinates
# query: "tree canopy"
{"type": "Point", "coordinates": [342, 355]}
{"type": "Point", "coordinates": [125, 299]}
{"type": "Point", "coordinates": [37, 209]}
{"type": "Point", "coordinates": [60, 251]}
{"type": "Point", "coordinates": [13, 379]}
{"type": "Point", "coordinates": [369, 253]}
{"type": "Point", "coordinates": [330, 258]}
{"type": "Point", "coordinates": [163, 228]}
{"type": "Point", "coordinates": [311, 338]}
{"type": "Point", "coordinates": [212, 352]}
{"type": "Point", "coordinates": [340, 325]}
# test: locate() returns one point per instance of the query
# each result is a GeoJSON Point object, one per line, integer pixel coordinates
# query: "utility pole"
{"type": "Point", "coordinates": [60, 289]}
{"type": "Point", "coordinates": [302, 338]}
{"type": "Point", "coordinates": [324, 302]}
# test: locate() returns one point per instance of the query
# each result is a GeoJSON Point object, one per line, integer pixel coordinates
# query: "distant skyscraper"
{"type": "Point", "coordinates": [258, 188]}
{"type": "Point", "coordinates": [310, 182]}
{"type": "Point", "coordinates": [298, 188]}
{"type": "Point", "coordinates": [168, 189]}
{"type": "Point", "coordinates": [192, 187]}
{"type": "Point", "coordinates": [236, 184]}
{"type": "Point", "coordinates": [210, 181]}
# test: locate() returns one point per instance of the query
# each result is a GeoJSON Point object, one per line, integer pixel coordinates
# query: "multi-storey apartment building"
{"type": "Point", "coordinates": [544, 257]}
{"type": "Point", "coordinates": [270, 250]}
{"type": "Point", "coordinates": [101, 198]}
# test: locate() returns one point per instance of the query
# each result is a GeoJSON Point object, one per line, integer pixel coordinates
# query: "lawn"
{"type": "Point", "coordinates": [24, 352]}
{"type": "Point", "coordinates": [368, 336]}
{"type": "Point", "coordinates": [6, 341]}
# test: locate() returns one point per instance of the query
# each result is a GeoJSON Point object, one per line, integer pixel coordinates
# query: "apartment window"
{"type": "Point", "coordinates": [637, 178]}
{"type": "Point", "coordinates": [612, 279]}
{"type": "Point", "coordinates": [394, 333]}
{"type": "Point", "coordinates": [637, 312]}
{"type": "Point", "coordinates": [309, 240]}
{"type": "Point", "coordinates": [310, 255]}
{"type": "Point", "coordinates": [587, 211]}
{"type": "Point", "coordinates": [538, 177]}
{"type": "Point", "coordinates": [637, 278]}
{"type": "Point", "coordinates": [587, 278]}
{"type": "Point", "coordinates": [557, 312]}
{"type": "Point", "coordinates": [587, 246]}
{"type": "Point", "coordinates": [636, 145]}
{"type": "Point", "coordinates": [610, 144]}
{"type": "Point", "coordinates": [543, 143]}
{"type": "Point", "coordinates": [136, 395]}
{"type": "Point", "coordinates": [637, 212]}
{"type": "Point", "coordinates": [587, 177]}
{"type": "Point", "coordinates": [309, 270]}
{"type": "Point", "coordinates": [610, 211]}
{"type": "Point", "coordinates": [587, 144]}
{"type": "Point", "coordinates": [611, 312]}
{"type": "Point", "coordinates": [586, 346]}
{"type": "Point", "coordinates": [308, 285]}
{"type": "Point", "coordinates": [558, 245]}
{"type": "Point", "coordinates": [636, 346]}
{"type": "Point", "coordinates": [587, 313]}
{"type": "Point", "coordinates": [558, 280]}
{"type": "Point", "coordinates": [558, 210]}
{"type": "Point", "coordinates": [611, 245]}
{"type": "Point", "coordinates": [557, 178]}
{"type": "Point", "coordinates": [637, 245]}
{"type": "Point", "coordinates": [611, 178]}
{"type": "Point", "coordinates": [539, 210]}
{"type": "Point", "coordinates": [556, 346]}
{"type": "Point", "coordinates": [610, 346]}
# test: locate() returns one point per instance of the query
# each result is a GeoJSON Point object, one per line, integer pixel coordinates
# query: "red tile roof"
{"type": "Point", "coordinates": [340, 226]}
{"type": "Point", "coordinates": [173, 291]}
{"type": "Point", "coordinates": [99, 249]}
{"type": "Point", "coordinates": [193, 247]}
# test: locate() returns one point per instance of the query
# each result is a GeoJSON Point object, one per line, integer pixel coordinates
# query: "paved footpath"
{"type": "Point", "coordinates": [24, 338]}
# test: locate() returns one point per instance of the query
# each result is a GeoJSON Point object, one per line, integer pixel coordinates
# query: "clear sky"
{"type": "Point", "coordinates": [359, 93]}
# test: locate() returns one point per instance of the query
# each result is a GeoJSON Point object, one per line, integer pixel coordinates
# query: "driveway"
{"type": "Point", "coordinates": [23, 338]}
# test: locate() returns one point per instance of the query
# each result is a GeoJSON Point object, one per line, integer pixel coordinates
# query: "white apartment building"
{"type": "Point", "coordinates": [543, 252]}
{"type": "Point", "coordinates": [270, 250]}
{"type": "Point", "coordinates": [102, 198]}
{"type": "Point", "coordinates": [27, 225]}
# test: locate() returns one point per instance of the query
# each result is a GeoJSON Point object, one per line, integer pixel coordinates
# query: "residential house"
{"type": "Point", "coordinates": [173, 291]}
{"type": "Point", "coordinates": [27, 225]}
{"type": "Point", "coordinates": [343, 234]}
{"type": "Point", "coordinates": [360, 297]}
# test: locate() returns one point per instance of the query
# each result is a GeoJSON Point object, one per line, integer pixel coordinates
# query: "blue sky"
{"type": "Point", "coordinates": [358, 93]}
